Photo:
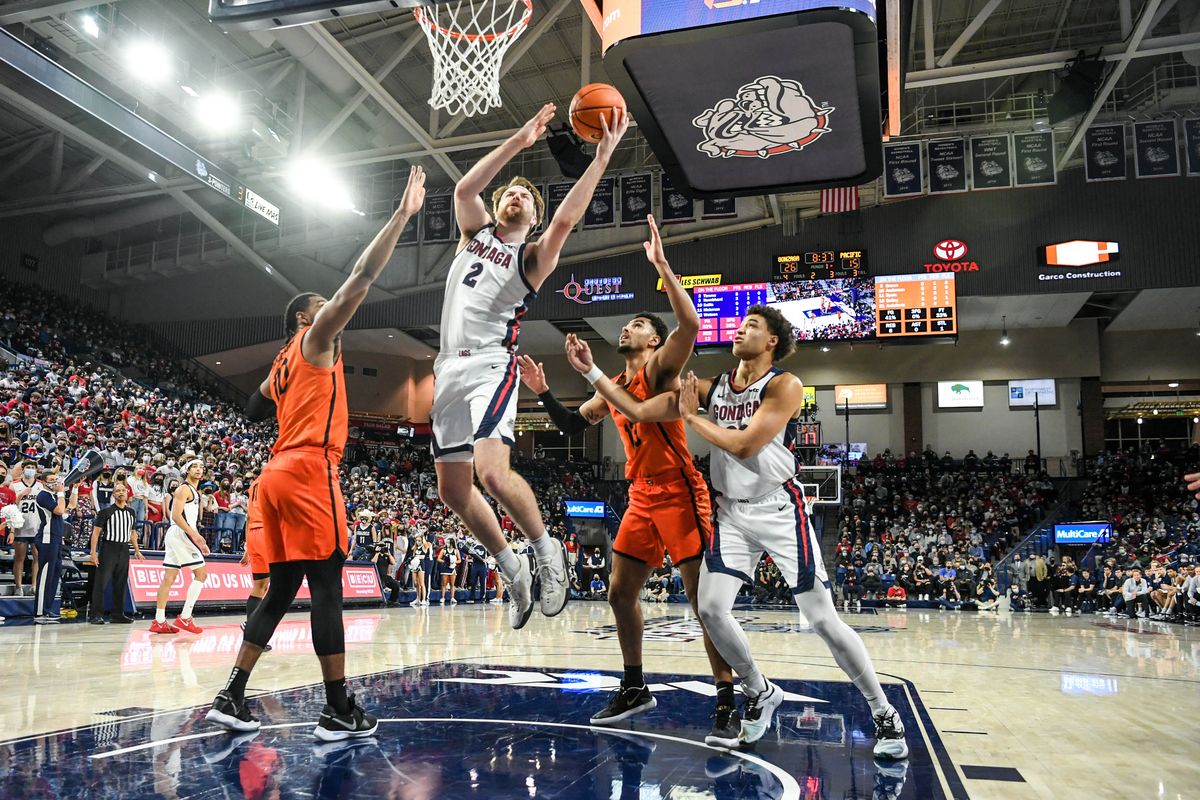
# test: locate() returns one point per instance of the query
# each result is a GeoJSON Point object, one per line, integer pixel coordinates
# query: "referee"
{"type": "Point", "coordinates": [112, 534]}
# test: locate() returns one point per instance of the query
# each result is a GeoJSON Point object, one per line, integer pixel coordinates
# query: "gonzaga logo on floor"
{"type": "Point", "coordinates": [769, 116]}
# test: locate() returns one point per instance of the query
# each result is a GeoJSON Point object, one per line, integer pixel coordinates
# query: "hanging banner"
{"type": "Point", "coordinates": [1191, 143]}
{"type": "Point", "coordinates": [1156, 149]}
{"type": "Point", "coordinates": [1104, 153]}
{"type": "Point", "coordinates": [555, 194]}
{"type": "Point", "coordinates": [636, 197]}
{"type": "Point", "coordinates": [411, 231]}
{"type": "Point", "coordinates": [719, 208]}
{"type": "Point", "coordinates": [439, 218]}
{"type": "Point", "coordinates": [991, 162]}
{"type": "Point", "coordinates": [676, 206]}
{"type": "Point", "coordinates": [602, 211]}
{"type": "Point", "coordinates": [947, 166]}
{"type": "Point", "coordinates": [1033, 154]}
{"type": "Point", "coordinates": [903, 172]}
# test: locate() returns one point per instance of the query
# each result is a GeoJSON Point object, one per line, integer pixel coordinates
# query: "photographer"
{"type": "Point", "coordinates": [383, 556]}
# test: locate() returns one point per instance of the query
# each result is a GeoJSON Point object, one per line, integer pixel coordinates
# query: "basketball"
{"type": "Point", "coordinates": [589, 104]}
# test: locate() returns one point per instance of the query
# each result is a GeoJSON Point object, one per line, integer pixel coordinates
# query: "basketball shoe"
{"type": "Point", "coordinates": [727, 728]}
{"type": "Point", "coordinates": [889, 735]}
{"type": "Point", "coordinates": [520, 593]}
{"type": "Point", "coordinates": [554, 581]}
{"type": "Point", "coordinates": [756, 719]}
{"type": "Point", "coordinates": [231, 713]}
{"type": "Point", "coordinates": [354, 724]}
{"type": "Point", "coordinates": [626, 702]}
{"type": "Point", "coordinates": [188, 625]}
{"type": "Point", "coordinates": [162, 627]}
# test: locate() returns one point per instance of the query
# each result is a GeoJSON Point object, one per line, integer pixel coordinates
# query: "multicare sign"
{"type": "Point", "coordinates": [592, 509]}
{"type": "Point", "coordinates": [1082, 533]}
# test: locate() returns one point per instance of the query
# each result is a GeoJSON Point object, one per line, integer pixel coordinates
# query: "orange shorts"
{"type": "Point", "coordinates": [669, 513]}
{"type": "Point", "coordinates": [301, 507]}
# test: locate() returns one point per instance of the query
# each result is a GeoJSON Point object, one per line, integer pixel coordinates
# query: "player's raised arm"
{"type": "Point", "coordinates": [333, 316]}
{"type": "Point", "coordinates": [542, 255]}
{"type": "Point", "coordinates": [782, 398]}
{"type": "Point", "coordinates": [669, 360]}
{"type": "Point", "coordinates": [469, 208]}
{"type": "Point", "coordinates": [569, 422]}
{"type": "Point", "coordinates": [660, 408]}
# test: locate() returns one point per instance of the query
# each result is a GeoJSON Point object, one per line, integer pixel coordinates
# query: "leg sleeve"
{"type": "Point", "coordinates": [844, 643]}
{"type": "Point", "coordinates": [717, 593]}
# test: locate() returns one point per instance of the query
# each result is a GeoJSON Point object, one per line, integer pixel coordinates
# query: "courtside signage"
{"type": "Point", "coordinates": [1082, 533]}
{"type": "Point", "coordinates": [592, 509]}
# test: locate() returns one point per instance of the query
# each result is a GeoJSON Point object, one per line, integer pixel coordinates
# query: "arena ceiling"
{"type": "Point", "coordinates": [353, 93]}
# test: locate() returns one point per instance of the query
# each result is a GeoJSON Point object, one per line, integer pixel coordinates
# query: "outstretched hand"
{"type": "Point", "coordinates": [614, 126]}
{"type": "Point", "coordinates": [579, 354]}
{"type": "Point", "coordinates": [533, 375]}
{"type": "Point", "coordinates": [532, 130]}
{"type": "Point", "coordinates": [654, 248]}
{"type": "Point", "coordinates": [689, 395]}
{"type": "Point", "coordinates": [414, 193]}
{"type": "Point", "coordinates": [1193, 483]}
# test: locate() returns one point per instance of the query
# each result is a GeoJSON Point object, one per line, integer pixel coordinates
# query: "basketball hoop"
{"type": "Point", "coordinates": [469, 41]}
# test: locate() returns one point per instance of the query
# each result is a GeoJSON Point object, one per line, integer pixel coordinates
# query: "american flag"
{"type": "Point", "coordinates": [843, 198]}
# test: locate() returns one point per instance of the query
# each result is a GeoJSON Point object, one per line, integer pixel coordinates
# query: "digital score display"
{"type": "Point", "coordinates": [721, 309]}
{"type": "Point", "coordinates": [808, 434]}
{"type": "Point", "coordinates": [915, 306]}
{"type": "Point", "coordinates": [814, 265]}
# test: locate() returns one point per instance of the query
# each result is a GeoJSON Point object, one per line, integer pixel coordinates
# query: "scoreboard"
{"type": "Point", "coordinates": [915, 305]}
{"type": "Point", "coordinates": [820, 265]}
{"type": "Point", "coordinates": [721, 309]}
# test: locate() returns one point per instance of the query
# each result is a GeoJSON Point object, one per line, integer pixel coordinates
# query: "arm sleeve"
{"type": "Point", "coordinates": [569, 422]}
{"type": "Point", "coordinates": [259, 407]}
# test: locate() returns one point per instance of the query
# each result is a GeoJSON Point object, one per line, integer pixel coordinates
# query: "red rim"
{"type": "Point", "coordinates": [519, 26]}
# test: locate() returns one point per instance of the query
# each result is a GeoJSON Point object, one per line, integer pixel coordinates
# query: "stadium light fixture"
{"type": "Point", "coordinates": [317, 184]}
{"type": "Point", "coordinates": [90, 26]}
{"type": "Point", "coordinates": [1139, 420]}
{"type": "Point", "coordinates": [1173, 385]}
{"type": "Point", "coordinates": [1196, 420]}
{"type": "Point", "coordinates": [824, 348]}
{"type": "Point", "coordinates": [148, 61]}
{"type": "Point", "coordinates": [189, 91]}
{"type": "Point", "coordinates": [218, 111]}
{"type": "Point", "coordinates": [1004, 340]}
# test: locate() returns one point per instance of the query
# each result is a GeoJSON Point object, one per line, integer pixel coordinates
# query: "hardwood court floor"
{"type": "Point", "coordinates": [997, 706]}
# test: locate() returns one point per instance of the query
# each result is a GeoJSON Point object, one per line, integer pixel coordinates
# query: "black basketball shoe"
{"type": "Point", "coordinates": [354, 724]}
{"type": "Point", "coordinates": [726, 729]}
{"type": "Point", "coordinates": [626, 702]}
{"type": "Point", "coordinates": [231, 713]}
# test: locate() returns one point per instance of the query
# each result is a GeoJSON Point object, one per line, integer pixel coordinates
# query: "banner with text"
{"type": "Point", "coordinates": [1033, 154]}
{"type": "Point", "coordinates": [991, 162]}
{"type": "Point", "coordinates": [1104, 153]}
{"type": "Point", "coordinates": [720, 208]}
{"type": "Point", "coordinates": [228, 582]}
{"type": "Point", "coordinates": [903, 169]}
{"type": "Point", "coordinates": [1156, 149]}
{"type": "Point", "coordinates": [676, 206]}
{"type": "Point", "coordinates": [602, 211]}
{"type": "Point", "coordinates": [947, 166]}
{"type": "Point", "coordinates": [1191, 143]}
{"type": "Point", "coordinates": [636, 197]}
{"type": "Point", "coordinates": [555, 194]}
{"type": "Point", "coordinates": [439, 218]}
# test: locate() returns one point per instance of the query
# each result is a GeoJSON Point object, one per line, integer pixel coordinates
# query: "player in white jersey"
{"type": "Point", "coordinates": [27, 489]}
{"type": "Point", "coordinates": [494, 275]}
{"type": "Point", "coordinates": [184, 548]}
{"type": "Point", "coordinates": [752, 416]}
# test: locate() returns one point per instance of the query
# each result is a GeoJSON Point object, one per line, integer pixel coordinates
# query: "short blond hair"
{"type": "Point", "coordinates": [538, 202]}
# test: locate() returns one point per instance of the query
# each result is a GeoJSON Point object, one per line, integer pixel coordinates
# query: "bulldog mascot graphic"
{"type": "Point", "coordinates": [769, 116]}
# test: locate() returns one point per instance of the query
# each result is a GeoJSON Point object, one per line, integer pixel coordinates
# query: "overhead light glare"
{"type": "Point", "coordinates": [317, 184]}
{"type": "Point", "coordinates": [90, 26]}
{"type": "Point", "coordinates": [148, 61]}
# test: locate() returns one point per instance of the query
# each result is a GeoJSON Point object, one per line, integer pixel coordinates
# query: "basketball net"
{"type": "Point", "coordinates": [469, 41]}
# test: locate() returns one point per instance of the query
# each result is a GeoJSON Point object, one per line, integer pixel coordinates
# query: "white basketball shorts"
{"type": "Point", "coordinates": [474, 397]}
{"type": "Point", "coordinates": [180, 552]}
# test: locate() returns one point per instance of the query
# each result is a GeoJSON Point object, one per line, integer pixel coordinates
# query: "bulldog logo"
{"type": "Point", "coordinates": [768, 116]}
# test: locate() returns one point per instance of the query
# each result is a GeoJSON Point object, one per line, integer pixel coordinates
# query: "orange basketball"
{"type": "Point", "coordinates": [589, 104]}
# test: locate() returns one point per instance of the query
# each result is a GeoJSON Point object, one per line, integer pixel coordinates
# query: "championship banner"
{"type": "Point", "coordinates": [719, 208]}
{"type": "Point", "coordinates": [1033, 154]}
{"type": "Point", "coordinates": [991, 162]}
{"type": "Point", "coordinates": [1104, 153]}
{"type": "Point", "coordinates": [636, 197]}
{"type": "Point", "coordinates": [676, 206]}
{"type": "Point", "coordinates": [1156, 149]}
{"type": "Point", "coordinates": [947, 166]}
{"type": "Point", "coordinates": [602, 210]}
{"type": "Point", "coordinates": [229, 583]}
{"type": "Point", "coordinates": [555, 194]}
{"type": "Point", "coordinates": [1191, 143]}
{"type": "Point", "coordinates": [439, 218]}
{"type": "Point", "coordinates": [903, 171]}
{"type": "Point", "coordinates": [411, 231]}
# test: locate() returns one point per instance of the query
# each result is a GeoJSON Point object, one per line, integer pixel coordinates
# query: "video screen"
{"type": "Point", "coordinates": [835, 310]}
{"type": "Point", "coordinates": [830, 454]}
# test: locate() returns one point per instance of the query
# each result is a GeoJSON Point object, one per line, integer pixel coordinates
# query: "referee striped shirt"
{"type": "Point", "coordinates": [115, 524]}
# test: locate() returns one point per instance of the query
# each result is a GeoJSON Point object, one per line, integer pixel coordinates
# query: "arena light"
{"type": "Point", "coordinates": [825, 348]}
{"type": "Point", "coordinates": [1004, 340]}
{"type": "Point", "coordinates": [218, 111]}
{"type": "Point", "coordinates": [1196, 420]}
{"type": "Point", "coordinates": [189, 91]}
{"type": "Point", "coordinates": [148, 61]}
{"type": "Point", "coordinates": [90, 26]}
{"type": "Point", "coordinates": [1173, 385]}
{"type": "Point", "coordinates": [1139, 420]}
{"type": "Point", "coordinates": [316, 183]}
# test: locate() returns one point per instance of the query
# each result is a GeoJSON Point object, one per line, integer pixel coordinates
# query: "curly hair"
{"type": "Point", "coordinates": [779, 326]}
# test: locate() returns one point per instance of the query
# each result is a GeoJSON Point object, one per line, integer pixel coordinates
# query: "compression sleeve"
{"type": "Point", "coordinates": [569, 422]}
{"type": "Point", "coordinates": [259, 407]}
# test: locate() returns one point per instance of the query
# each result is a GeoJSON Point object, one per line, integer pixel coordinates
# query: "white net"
{"type": "Point", "coordinates": [469, 41]}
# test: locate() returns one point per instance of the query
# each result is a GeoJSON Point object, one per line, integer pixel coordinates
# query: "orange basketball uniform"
{"type": "Point", "coordinates": [299, 498]}
{"type": "Point", "coordinates": [259, 567]}
{"type": "Point", "coordinates": [669, 507]}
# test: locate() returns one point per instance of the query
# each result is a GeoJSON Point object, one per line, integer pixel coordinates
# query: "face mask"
{"type": "Point", "coordinates": [28, 473]}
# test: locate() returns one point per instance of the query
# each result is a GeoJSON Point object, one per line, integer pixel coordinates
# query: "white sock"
{"type": "Point", "coordinates": [508, 564]}
{"type": "Point", "coordinates": [193, 593]}
{"type": "Point", "coordinates": [545, 549]}
{"type": "Point", "coordinates": [160, 615]}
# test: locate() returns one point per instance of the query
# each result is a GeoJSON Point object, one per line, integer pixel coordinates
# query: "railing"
{"type": "Point", "coordinates": [1040, 540]}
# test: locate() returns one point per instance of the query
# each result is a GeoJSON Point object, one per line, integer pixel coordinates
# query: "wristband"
{"type": "Point", "coordinates": [594, 374]}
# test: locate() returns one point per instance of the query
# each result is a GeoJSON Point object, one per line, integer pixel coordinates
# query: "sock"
{"type": "Point", "coordinates": [633, 675]}
{"type": "Point", "coordinates": [237, 683]}
{"type": "Point", "coordinates": [251, 604]}
{"type": "Point", "coordinates": [508, 564]}
{"type": "Point", "coordinates": [160, 615]}
{"type": "Point", "coordinates": [725, 693]}
{"type": "Point", "coordinates": [545, 549]}
{"type": "Point", "coordinates": [193, 593]}
{"type": "Point", "coordinates": [754, 684]}
{"type": "Point", "coordinates": [335, 695]}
